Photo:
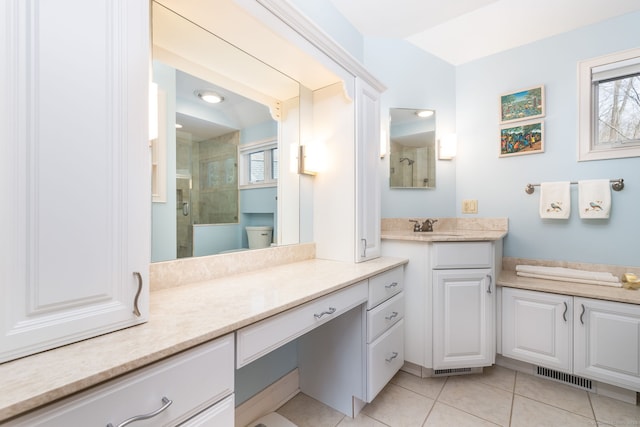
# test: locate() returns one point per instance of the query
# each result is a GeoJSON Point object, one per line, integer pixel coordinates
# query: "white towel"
{"type": "Point", "coordinates": [570, 279]}
{"type": "Point", "coordinates": [563, 274]}
{"type": "Point", "coordinates": [594, 198]}
{"type": "Point", "coordinates": [566, 273]}
{"type": "Point", "coordinates": [555, 200]}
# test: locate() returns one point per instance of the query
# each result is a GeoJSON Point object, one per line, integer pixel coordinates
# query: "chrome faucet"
{"type": "Point", "coordinates": [427, 225]}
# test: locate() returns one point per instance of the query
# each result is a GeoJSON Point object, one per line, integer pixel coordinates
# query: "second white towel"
{"type": "Point", "coordinates": [555, 200]}
{"type": "Point", "coordinates": [594, 198]}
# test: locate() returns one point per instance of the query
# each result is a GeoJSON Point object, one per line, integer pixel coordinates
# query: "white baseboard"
{"type": "Point", "coordinates": [269, 399]}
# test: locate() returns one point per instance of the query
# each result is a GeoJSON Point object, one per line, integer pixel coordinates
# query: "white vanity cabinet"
{"type": "Point", "coordinates": [463, 305]}
{"type": "Point", "coordinates": [367, 165]}
{"type": "Point", "coordinates": [537, 327]}
{"type": "Point", "coordinates": [385, 329]}
{"type": "Point", "coordinates": [607, 342]}
{"type": "Point", "coordinates": [594, 339]}
{"type": "Point", "coordinates": [194, 387]}
{"type": "Point", "coordinates": [74, 171]}
{"type": "Point", "coordinates": [450, 303]}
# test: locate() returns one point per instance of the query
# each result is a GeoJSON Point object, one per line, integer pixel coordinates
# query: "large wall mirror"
{"type": "Point", "coordinates": [412, 161]}
{"type": "Point", "coordinates": [231, 180]}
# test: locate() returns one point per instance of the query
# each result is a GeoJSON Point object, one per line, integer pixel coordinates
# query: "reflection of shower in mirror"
{"type": "Point", "coordinates": [409, 161]}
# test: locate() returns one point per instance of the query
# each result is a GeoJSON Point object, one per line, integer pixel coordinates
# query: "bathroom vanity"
{"type": "Point", "coordinates": [192, 332]}
{"type": "Point", "coordinates": [449, 291]}
{"type": "Point", "coordinates": [585, 334]}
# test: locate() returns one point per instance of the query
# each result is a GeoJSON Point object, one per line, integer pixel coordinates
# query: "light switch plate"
{"type": "Point", "coordinates": [469, 206]}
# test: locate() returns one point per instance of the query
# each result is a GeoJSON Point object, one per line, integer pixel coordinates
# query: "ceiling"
{"type": "Point", "coordinates": [459, 31]}
{"type": "Point", "coordinates": [204, 121]}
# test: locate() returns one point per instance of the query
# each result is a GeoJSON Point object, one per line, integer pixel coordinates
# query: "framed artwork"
{"type": "Point", "coordinates": [525, 104]}
{"type": "Point", "coordinates": [522, 138]}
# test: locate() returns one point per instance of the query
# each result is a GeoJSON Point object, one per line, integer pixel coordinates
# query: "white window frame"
{"type": "Point", "coordinates": [586, 107]}
{"type": "Point", "coordinates": [244, 151]}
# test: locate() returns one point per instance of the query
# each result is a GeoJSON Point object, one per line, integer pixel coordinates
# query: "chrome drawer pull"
{"type": "Point", "coordinates": [330, 311]}
{"type": "Point", "coordinates": [166, 403]}
{"type": "Point", "coordinates": [393, 356]}
{"type": "Point", "coordinates": [394, 314]}
{"type": "Point", "coordinates": [136, 311]}
{"type": "Point", "coordinates": [392, 285]}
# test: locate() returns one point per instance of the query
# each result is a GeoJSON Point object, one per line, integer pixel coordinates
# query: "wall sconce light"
{"type": "Point", "coordinates": [447, 146]}
{"type": "Point", "coordinates": [384, 139]}
{"type": "Point", "coordinates": [311, 159]}
{"type": "Point", "coordinates": [153, 111]}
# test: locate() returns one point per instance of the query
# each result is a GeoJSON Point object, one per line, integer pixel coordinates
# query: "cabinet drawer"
{"type": "Point", "coordinates": [193, 380]}
{"type": "Point", "coordinates": [384, 358]}
{"type": "Point", "coordinates": [258, 339]}
{"type": "Point", "coordinates": [462, 255]}
{"type": "Point", "coordinates": [385, 285]}
{"type": "Point", "coordinates": [384, 316]}
{"type": "Point", "coordinates": [219, 415]}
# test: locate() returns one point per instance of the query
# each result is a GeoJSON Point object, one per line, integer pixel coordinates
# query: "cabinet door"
{"type": "Point", "coordinates": [607, 342]}
{"type": "Point", "coordinates": [537, 328]}
{"type": "Point", "coordinates": [367, 182]}
{"type": "Point", "coordinates": [74, 170]}
{"type": "Point", "coordinates": [463, 318]}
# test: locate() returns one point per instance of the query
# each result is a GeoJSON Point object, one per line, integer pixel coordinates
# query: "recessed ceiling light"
{"type": "Point", "coordinates": [424, 113]}
{"type": "Point", "coordinates": [209, 96]}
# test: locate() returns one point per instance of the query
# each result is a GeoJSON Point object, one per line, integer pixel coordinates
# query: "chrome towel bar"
{"type": "Point", "coordinates": [616, 184]}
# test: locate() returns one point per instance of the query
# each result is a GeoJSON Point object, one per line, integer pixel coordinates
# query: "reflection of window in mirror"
{"type": "Point", "coordinates": [609, 106]}
{"type": "Point", "coordinates": [259, 164]}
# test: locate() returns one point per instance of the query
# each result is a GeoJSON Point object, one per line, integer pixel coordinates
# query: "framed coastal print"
{"type": "Point", "coordinates": [525, 104]}
{"type": "Point", "coordinates": [522, 138]}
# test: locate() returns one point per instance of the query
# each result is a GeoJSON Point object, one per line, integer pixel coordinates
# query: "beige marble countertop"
{"type": "Point", "coordinates": [444, 236]}
{"type": "Point", "coordinates": [180, 318]}
{"type": "Point", "coordinates": [446, 229]}
{"type": "Point", "coordinates": [509, 279]}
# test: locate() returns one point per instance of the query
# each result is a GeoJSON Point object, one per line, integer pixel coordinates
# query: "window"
{"type": "Point", "coordinates": [609, 106]}
{"type": "Point", "coordinates": [259, 164]}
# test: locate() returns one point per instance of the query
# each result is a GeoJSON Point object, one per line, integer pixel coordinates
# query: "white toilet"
{"type": "Point", "coordinates": [259, 237]}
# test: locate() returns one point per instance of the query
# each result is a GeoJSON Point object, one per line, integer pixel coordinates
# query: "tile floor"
{"type": "Point", "coordinates": [497, 397]}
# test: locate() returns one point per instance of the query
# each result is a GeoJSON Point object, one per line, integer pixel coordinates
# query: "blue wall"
{"type": "Point", "coordinates": [498, 183]}
{"type": "Point", "coordinates": [466, 101]}
{"type": "Point", "coordinates": [415, 79]}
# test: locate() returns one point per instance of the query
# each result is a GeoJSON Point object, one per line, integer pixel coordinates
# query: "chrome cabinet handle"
{"type": "Point", "coordinates": [393, 356]}
{"type": "Point", "coordinates": [391, 285]}
{"type": "Point", "coordinates": [490, 282]}
{"type": "Point", "coordinates": [364, 248]}
{"type": "Point", "coordinates": [566, 307]}
{"type": "Point", "coordinates": [582, 314]}
{"type": "Point", "coordinates": [392, 315]}
{"type": "Point", "coordinates": [330, 311]}
{"type": "Point", "coordinates": [136, 311]}
{"type": "Point", "coordinates": [166, 403]}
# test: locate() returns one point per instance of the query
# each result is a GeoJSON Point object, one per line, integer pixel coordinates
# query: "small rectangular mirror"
{"type": "Point", "coordinates": [412, 154]}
